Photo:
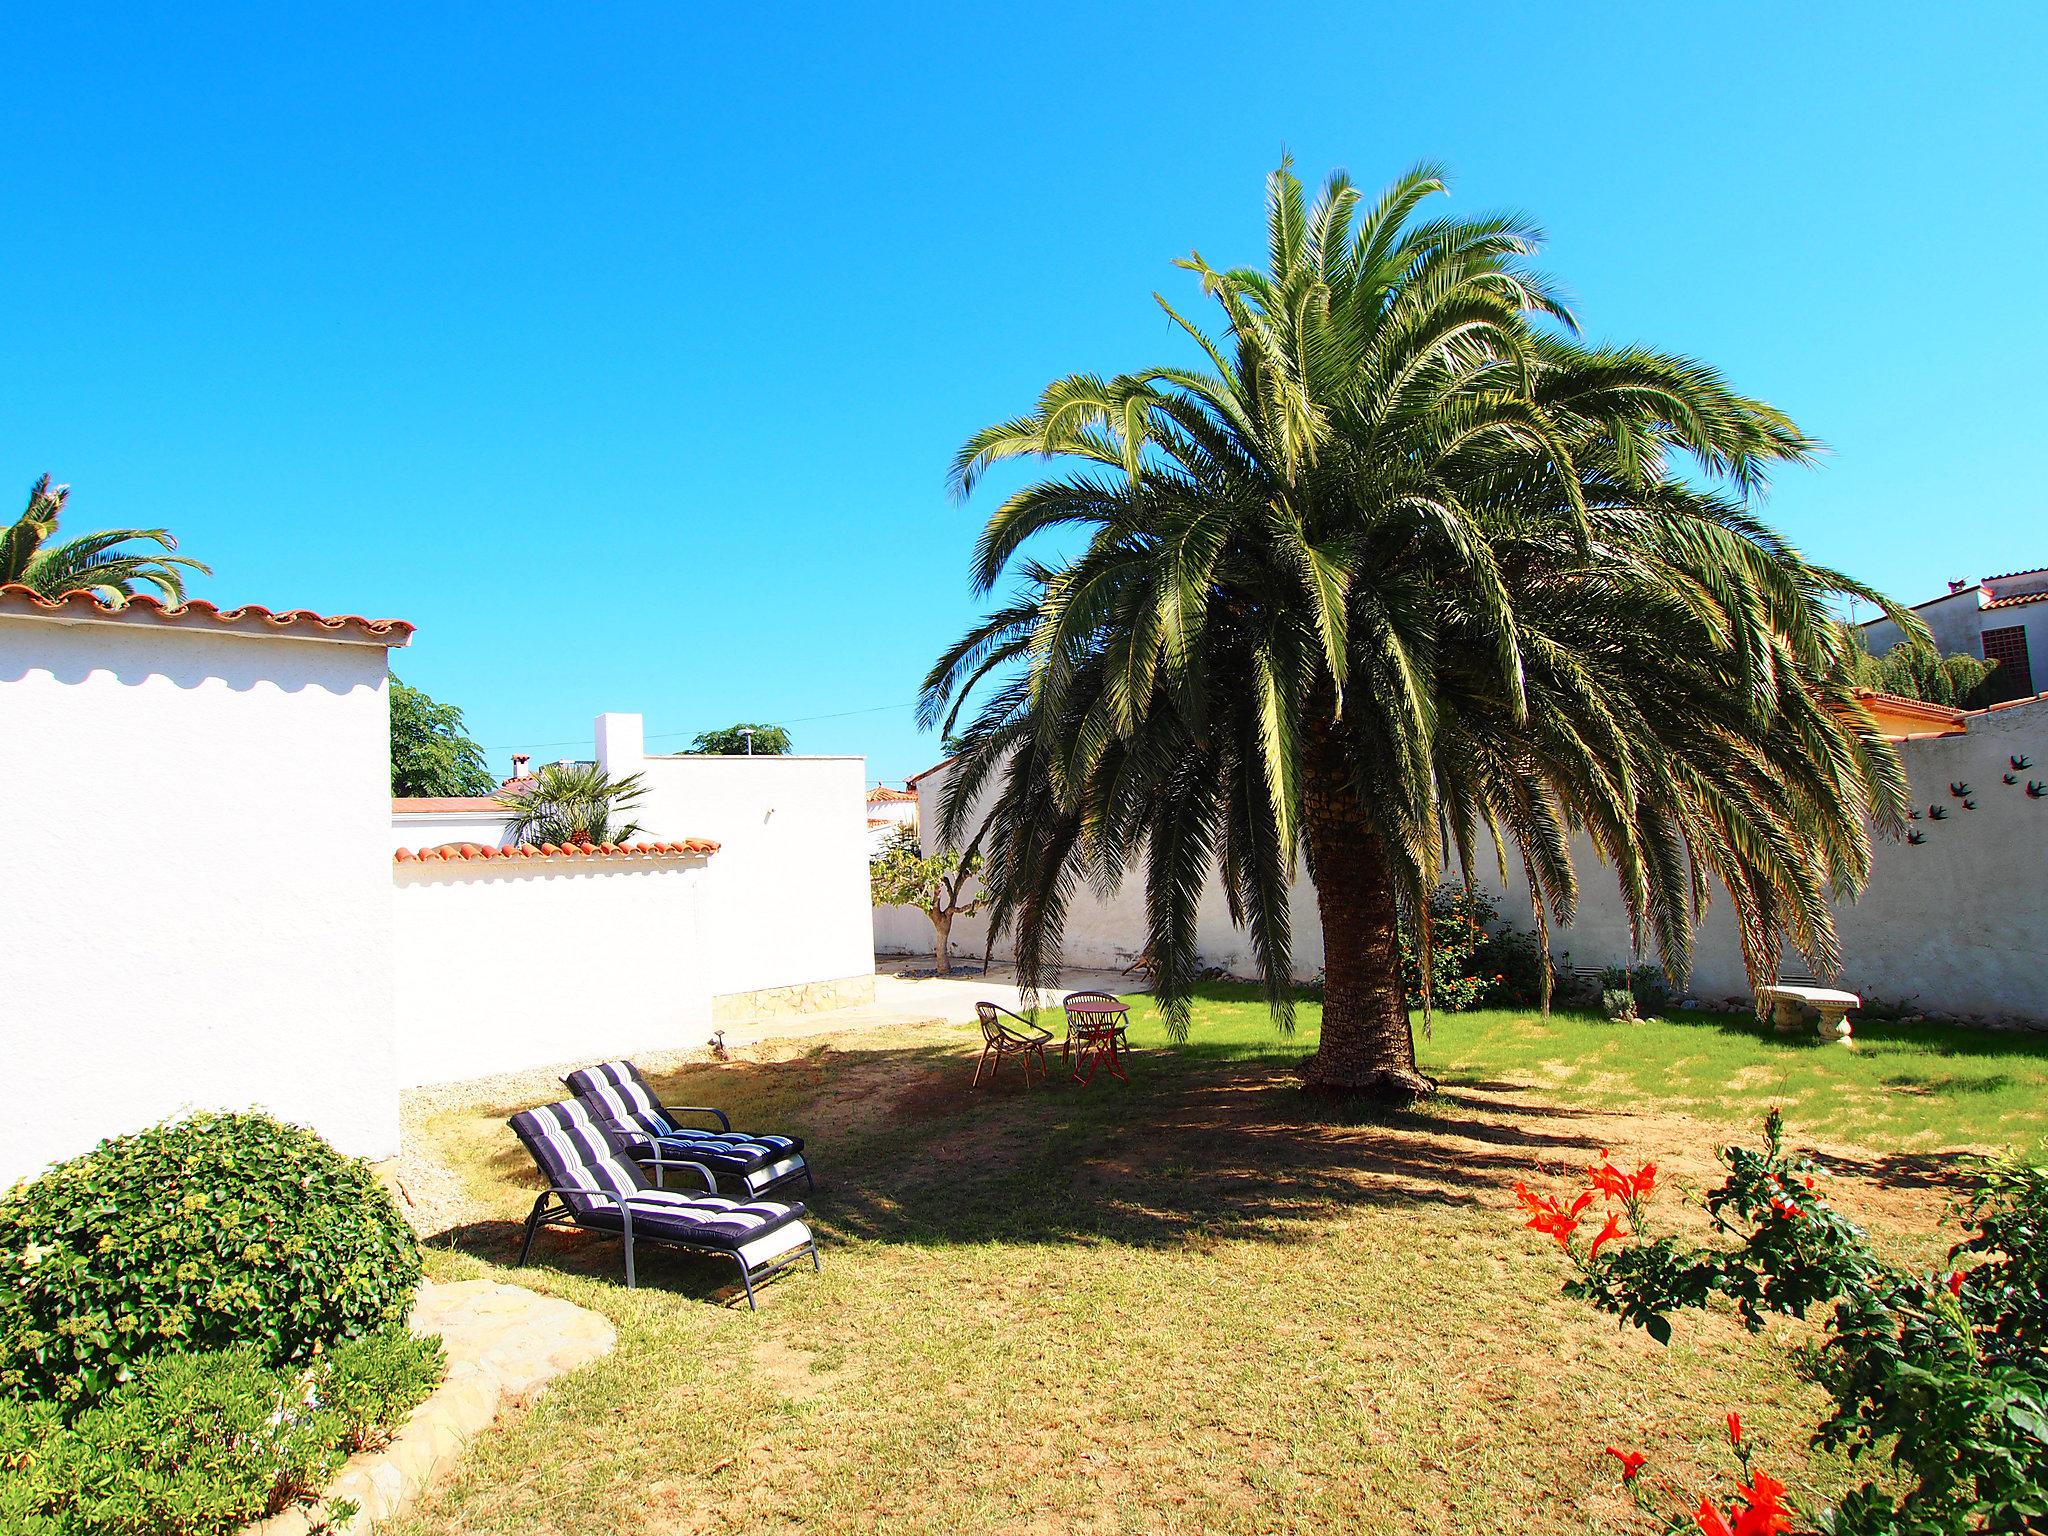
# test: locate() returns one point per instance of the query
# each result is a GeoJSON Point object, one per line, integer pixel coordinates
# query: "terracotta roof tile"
{"type": "Point", "coordinates": [479, 805]}
{"type": "Point", "coordinates": [944, 762]}
{"type": "Point", "coordinates": [1899, 717]}
{"type": "Point", "coordinates": [882, 793]}
{"type": "Point", "coordinates": [196, 612]}
{"type": "Point", "coordinates": [2018, 598]}
{"type": "Point", "coordinates": [2008, 575]}
{"type": "Point", "coordinates": [456, 853]}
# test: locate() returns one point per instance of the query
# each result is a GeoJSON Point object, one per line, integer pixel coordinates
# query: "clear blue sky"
{"type": "Point", "coordinates": [623, 348]}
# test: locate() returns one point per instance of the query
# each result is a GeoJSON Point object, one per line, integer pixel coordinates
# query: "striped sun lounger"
{"type": "Point", "coordinates": [656, 1136]}
{"type": "Point", "coordinates": [595, 1184]}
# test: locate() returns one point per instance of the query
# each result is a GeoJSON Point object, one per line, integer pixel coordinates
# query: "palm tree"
{"type": "Point", "coordinates": [1404, 567]}
{"type": "Point", "coordinates": [93, 562]}
{"type": "Point", "coordinates": [573, 803]}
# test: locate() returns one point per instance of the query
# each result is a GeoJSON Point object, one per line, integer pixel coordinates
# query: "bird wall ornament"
{"type": "Point", "coordinates": [1969, 805]}
{"type": "Point", "coordinates": [1937, 813]}
{"type": "Point", "coordinates": [1916, 838]}
{"type": "Point", "coordinates": [1913, 815]}
{"type": "Point", "coordinates": [1959, 790]}
{"type": "Point", "coordinates": [2036, 789]}
{"type": "Point", "coordinates": [2012, 778]}
{"type": "Point", "coordinates": [2020, 763]}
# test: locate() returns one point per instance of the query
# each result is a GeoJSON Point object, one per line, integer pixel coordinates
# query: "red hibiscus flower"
{"type": "Point", "coordinates": [1709, 1520]}
{"type": "Point", "coordinates": [1547, 1216]}
{"type": "Point", "coordinates": [1607, 1234]}
{"type": "Point", "coordinates": [1632, 1462]}
{"type": "Point", "coordinates": [1765, 1512]}
{"type": "Point", "coordinates": [1955, 1282]}
{"type": "Point", "coordinates": [1735, 1428]}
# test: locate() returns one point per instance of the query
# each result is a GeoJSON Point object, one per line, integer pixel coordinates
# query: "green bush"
{"type": "Point", "coordinates": [198, 1445]}
{"type": "Point", "coordinates": [1476, 956]}
{"type": "Point", "coordinates": [197, 1235]}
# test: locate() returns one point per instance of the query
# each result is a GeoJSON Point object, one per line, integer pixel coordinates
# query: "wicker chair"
{"type": "Point", "coordinates": [1000, 1040]}
{"type": "Point", "coordinates": [1123, 1042]}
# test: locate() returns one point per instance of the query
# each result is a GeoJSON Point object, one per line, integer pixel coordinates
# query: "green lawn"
{"type": "Point", "coordinates": [1197, 1303]}
{"type": "Point", "coordinates": [1901, 1087]}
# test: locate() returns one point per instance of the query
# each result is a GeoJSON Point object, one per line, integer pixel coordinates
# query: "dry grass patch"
{"type": "Point", "coordinates": [1199, 1303]}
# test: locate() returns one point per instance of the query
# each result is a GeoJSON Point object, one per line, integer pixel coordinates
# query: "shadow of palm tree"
{"type": "Point", "coordinates": [1193, 1148]}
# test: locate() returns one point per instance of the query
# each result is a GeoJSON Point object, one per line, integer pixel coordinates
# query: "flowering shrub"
{"type": "Point", "coordinates": [1475, 957]}
{"type": "Point", "coordinates": [1941, 1375]}
{"type": "Point", "coordinates": [199, 1234]}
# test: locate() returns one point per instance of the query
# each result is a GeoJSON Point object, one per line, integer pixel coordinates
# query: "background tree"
{"type": "Point", "coordinates": [1915, 669]}
{"type": "Point", "coordinates": [574, 803]}
{"type": "Point", "coordinates": [938, 885]}
{"type": "Point", "coordinates": [431, 754]}
{"type": "Point", "coordinates": [1404, 568]}
{"type": "Point", "coordinates": [768, 741]}
{"type": "Point", "coordinates": [92, 562]}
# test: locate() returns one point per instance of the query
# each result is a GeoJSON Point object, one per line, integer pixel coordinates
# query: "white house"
{"type": "Point", "coordinates": [198, 870]}
{"type": "Point", "coordinates": [2001, 618]}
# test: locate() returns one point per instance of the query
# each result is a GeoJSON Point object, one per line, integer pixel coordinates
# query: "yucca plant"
{"type": "Point", "coordinates": [92, 562]}
{"type": "Point", "coordinates": [573, 803]}
{"type": "Point", "coordinates": [1402, 572]}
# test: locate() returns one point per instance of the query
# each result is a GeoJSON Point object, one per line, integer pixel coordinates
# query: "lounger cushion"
{"type": "Point", "coordinates": [580, 1155]}
{"type": "Point", "coordinates": [618, 1091]}
{"type": "Point", "coordinates": [737, 1156]}
{"type": "Point", "coordinates": [707, 1221]}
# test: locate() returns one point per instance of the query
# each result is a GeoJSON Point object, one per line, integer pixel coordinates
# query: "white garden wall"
{"type": "Point", "coordinates": [197, 888]}
{"type": "Point", "coordinates": [504, 964]}
{"type": "Point", "coordinates": [1956, 925]}
{"type": "Point", "coordinates": [786, 897]}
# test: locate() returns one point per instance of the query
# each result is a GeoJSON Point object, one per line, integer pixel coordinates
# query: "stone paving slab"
{"type": "Point", "coordinates": [504, 1345]}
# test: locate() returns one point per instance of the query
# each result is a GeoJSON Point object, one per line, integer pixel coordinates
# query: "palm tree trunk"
{"type": "Point", "coordinates": [1368, 1048]}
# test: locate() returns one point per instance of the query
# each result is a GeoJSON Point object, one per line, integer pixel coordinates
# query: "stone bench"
{"type": "Point", "coordinates": [1790, 1001]}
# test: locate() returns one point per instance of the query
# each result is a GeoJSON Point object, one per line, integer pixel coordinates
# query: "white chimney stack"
{"type": "Point", "coordinates": [621, 744]}
{"type": "Point", "coordinates": [519, 762]}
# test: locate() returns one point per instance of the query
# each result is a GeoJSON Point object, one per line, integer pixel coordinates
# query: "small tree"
{"type": "Point", "coordinates": [744, 741]}
{"type": "Point", "coordinates": [573, 803]}
{"type": "Point", "coordinates": [431, 754]}
{"type": "Point", "coordinates": [936, 884]}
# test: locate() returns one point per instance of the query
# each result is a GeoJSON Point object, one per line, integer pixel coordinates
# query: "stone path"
{"type": "Point", "coordinates": [504, 1345]}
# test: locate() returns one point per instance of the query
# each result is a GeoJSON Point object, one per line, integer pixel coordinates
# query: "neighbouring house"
{"type": "Point", "coordinates": [1954, 921]}
{"type": "Point", "coordinates": [897, 807]}
{"type": "Point", "coordinates": [216, 903]}
{"type": "Point", "coordinates": [2001, 618]}
{"type": "Point", "coordinates": [889, 812]}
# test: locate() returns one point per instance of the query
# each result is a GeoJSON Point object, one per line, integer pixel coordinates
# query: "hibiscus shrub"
{"type": "Point", "coordinates": [1942, 1375]}
{"type": "Point", "coordinates": [1475, 956]}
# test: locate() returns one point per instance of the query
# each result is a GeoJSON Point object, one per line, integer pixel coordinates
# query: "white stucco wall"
{"type": "Point", "coordinates": [786, 897]}
{"type": "Point", "coordinates": [197, 883]}
{"type": "Point", "coordinates": [503, 965]}
{"type": "Point", "coordinates": [1101, 934]}
{"type": "Point", "coordinates": [431, 829]}
{"type": "Point", "coordinates": [1957, 925]}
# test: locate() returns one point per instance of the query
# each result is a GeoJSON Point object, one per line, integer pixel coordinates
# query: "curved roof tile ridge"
{"type": "Point", "coordinates": [452, 853]}
{"type": "Point", "coordinates": [197, 610]}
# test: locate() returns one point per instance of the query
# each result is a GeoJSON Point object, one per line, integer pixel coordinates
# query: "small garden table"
{"type": "Point", "coordinates": [1097, 1025]}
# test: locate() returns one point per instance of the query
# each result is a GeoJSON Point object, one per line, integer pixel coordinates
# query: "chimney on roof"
{"type": "Point", "coordinates": [519, 762]}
